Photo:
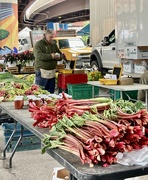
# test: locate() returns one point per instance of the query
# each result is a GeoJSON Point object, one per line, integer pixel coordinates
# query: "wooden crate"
{"type": "Point", "coordinates": [28, 69]}
{"type": "Point", "coordinates": [13, 69]}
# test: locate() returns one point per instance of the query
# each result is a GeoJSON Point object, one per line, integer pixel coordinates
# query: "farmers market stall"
{"type": "Point", "coordinates": [71, 162]}
{"type": "Point", "coordinates": [121, 88]}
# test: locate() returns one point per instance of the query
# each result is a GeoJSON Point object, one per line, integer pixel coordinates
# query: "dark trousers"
{"type": "Point", "coordinates": [47, 84]}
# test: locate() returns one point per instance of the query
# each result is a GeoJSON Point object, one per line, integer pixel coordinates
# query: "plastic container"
{"type": "Point", "coordinates": [127, 95]}
{"type": "Point", "coordinates": [108, 81]}
{"type": "Point", "coordinates": [9, 127]}
{"type": "Point", "coordinates": [37, 101]}
{"type": "Point", "coordinates": [66, 71]}
{"type": "Point", "coordinates": [5, 118]}
{"type": "Point", "coordinates": [82, 91]}
{"type": "Point", "coordinates": [18, 102]}
{"type": "Point", "coordinates": [28, 142]}
{"type": "Point", "coordinates": [117, 70]}
{"type": "Point", "coordinates": [64, 79]}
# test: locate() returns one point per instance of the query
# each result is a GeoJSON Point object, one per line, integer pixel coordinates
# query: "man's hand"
{"type": "Point", "coordinates": [55, 56]}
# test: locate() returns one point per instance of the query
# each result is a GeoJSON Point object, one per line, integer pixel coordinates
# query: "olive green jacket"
{"type": "Point", "coordinates": [42, 52]}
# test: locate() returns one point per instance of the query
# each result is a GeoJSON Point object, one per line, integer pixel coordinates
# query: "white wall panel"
{"type": "Point", "coordinates": [102, 19]}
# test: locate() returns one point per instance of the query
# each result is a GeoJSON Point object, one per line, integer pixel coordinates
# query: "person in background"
{"type": "Point", "coordinates": [46, 55]}
{"type": "Point", "coordinates": [143, 80]}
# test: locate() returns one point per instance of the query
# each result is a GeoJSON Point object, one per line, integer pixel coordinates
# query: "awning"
{"type": "Point", "coordinates": [24, 32]}
{"type": "Point", "coordinates": [84, 31]}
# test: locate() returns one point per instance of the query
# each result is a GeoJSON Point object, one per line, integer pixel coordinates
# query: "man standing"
{"type": "Point", "coordinates": [46, 56]}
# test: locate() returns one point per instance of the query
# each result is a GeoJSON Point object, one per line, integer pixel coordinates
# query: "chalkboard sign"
{"type": "Point", "coordinates": [117, 71]}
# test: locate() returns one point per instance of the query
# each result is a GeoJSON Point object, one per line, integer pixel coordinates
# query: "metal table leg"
{"type": "Point", "coordinates": [72, 177]}
{"type": "Point", "coordinates": [114, 95]}
{"type": "Point", "coordinates": [121, 94]}
{"type": "Point", "coordinates": [93, 93]}
{"type": "Point", "coordinates": [14, 150]}
{"type": "Point", "coordinates": [9, 140]}
{"type": "Point", "coordinates": [17, 143]}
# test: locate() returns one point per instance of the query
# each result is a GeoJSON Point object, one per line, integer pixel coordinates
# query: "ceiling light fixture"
{"type": "Point", "coordinates": [36, 5]}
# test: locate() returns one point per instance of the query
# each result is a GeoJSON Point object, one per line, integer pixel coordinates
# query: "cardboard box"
{"type": "Point", "coordinates": [125, 81]}
{"type": "Point", "coordinates": [128, 66]}
{"type": "Point", "coordinates": [60, 173]}
{"type": "Point", "coordinates": [138, 68]}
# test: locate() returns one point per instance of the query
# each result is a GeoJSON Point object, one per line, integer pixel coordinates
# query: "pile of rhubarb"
{"type": "Point", "coordinates": [94, 136]}
{"type": "Point", "coordinates": [48, 114]}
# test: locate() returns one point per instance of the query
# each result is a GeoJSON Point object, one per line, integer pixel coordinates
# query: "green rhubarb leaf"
{"type": "Point", "coordinates": [50, 144]}
{"type": "Point", "coordinates": [43, 150]}
{"type": "Point", "coordinates": [53, 130]}
{"type": "Point", "coordinates": [60, 133]}
{"type": "Point", "coordinates": [58, 126]}
{"type": "Point", "coordinates": [54, 144]}
{"type": "Point", "coordinates": [46, 139]}
{"type": "Point", "coordinates": [139, 105]}
{"type": "Point", "coordinates": [66, 122]}
{"type": "Point", "coordinates": [78, 120]}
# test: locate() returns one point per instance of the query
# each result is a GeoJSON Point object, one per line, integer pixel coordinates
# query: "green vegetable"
{"type": "Point", "coordinates": [125, 105]}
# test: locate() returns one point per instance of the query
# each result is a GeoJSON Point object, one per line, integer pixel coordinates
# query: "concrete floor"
{"type": "Point", "coordinates": [27, 165]}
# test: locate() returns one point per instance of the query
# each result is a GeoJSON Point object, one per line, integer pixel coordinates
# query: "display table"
{"type": "Point", "coordinates": [122, 88]}
{"type": "Point", "coordinates": [72, 163]}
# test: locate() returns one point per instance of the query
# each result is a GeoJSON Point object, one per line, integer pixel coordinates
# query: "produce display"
{"type": "Point", "coordinates": [29, 77]}
{"type": "Point", "coordinates": [12, 86]}
{"type": "Point", "coordinates": [95, 130]}
{"type": "Point", "coordinates": [94, 75]}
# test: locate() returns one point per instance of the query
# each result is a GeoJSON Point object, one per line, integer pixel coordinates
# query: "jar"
{"type": "Point", "coordinates": [18, 103]}
{"type": "Point", "coordinates": [30, 98]}
{"type": "Point", "coordinates": [37, 101]}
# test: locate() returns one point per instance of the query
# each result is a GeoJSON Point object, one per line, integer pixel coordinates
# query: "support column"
{"type": "Point", "coordinates": [8, 26]}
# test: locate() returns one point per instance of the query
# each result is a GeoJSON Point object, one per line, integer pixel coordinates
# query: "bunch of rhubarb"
{"type": "Point", "coordinates": [48, 114]}
{"type": "Point", "coordinates": [97, 139]}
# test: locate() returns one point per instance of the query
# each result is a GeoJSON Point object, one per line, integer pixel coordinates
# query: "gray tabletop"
{"type": "Point", "coordinates": [132, 87]}
{"type": "Point", "coordinates": [71, 162]}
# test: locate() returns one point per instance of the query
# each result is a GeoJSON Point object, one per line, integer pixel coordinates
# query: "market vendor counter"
{"type": "Point", "coordinates": [121, 88]}
{"type": "Point", "coordinates": [72, 163]}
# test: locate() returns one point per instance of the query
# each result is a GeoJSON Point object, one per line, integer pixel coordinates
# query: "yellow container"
{"type": "Point", "coordinates": [66, 71]}
{"type": "Point", "coordinates": [117, 71]}
{"type": "Point", "coordinates": [108, 81]}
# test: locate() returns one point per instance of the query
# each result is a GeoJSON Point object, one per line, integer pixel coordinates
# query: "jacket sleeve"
{"type": "Point", "coordinates": [40, 54]}
{"type": "Point", "coordinates": [58, 50]}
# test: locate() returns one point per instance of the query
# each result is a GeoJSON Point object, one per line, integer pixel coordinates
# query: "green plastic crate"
{"type": "Point", "coordinates": [82, 91]}
{"type": "Point", "coordinates": [132, 94]}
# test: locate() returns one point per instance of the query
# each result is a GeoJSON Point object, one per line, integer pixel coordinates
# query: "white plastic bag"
{"type": "Point", "coordinates": [136, 157]}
